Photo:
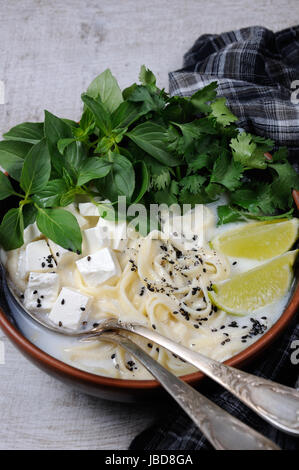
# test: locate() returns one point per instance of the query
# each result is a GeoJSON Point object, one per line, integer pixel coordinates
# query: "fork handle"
{"type": "Point", "coordinates": [276, 403]}
{"type": "Point", "coordinates": [222, 430]}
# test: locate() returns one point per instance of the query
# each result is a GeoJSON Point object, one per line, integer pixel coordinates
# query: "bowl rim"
{"type": "Point", "coordinates": [100, 381]}
{"type": "Point", "coordinates": [75, 374]}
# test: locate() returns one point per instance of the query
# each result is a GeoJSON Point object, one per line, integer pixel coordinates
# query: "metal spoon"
{"type": "Point", "coordinates": [222, 430]}
{"type": "Point", "coordinates": [277, 404]}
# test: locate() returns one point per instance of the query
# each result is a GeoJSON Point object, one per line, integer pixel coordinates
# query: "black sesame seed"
{"type": "Point", "coordinates": [88, 258]}
{"type": "Point", "coordinates": [60, 323]}
{"type": "Point", "coordinates": [35, 292]}
{"type": "Point", "coordinates": [149, 345]}
{"type": "Point", "coordinates": [196, 326]}
{"type": "Point", "coordinates": [43, 264]}
{"type": "Point", "coordinates": [157, 349]}
{"type": "Point", "coordinates": [113, 356]}
{"type": "Point", "coordinates": [83, 309]}
{"type": "Point", "coordinates": [95, 325]}
{"type": "Point", "coordinates": [57, 254]}
{"type": "Point", "coordinates": [154, 327]}
{"type": "Point", "coordinates": [234, 263]}
{"type": "Point", "coordinates": [78, 252]}
{"type": "Point", "coordinates": [63, 302]}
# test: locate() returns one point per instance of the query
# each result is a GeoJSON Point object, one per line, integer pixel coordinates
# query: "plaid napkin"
{"type": "Point", "coordinates": [254, 68]}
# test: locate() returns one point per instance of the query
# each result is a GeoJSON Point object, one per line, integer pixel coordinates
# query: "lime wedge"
{"type": "Point", "coordinates": [258, 240]}
{"type": "Point", "coordinates": [248, 291]}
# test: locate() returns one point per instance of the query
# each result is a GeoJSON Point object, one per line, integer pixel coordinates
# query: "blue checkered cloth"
{"type": "Point", "coordinates": [255, 69]}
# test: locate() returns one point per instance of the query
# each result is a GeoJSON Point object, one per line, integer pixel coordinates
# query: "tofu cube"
{"type": "Point", "coordinates": [60, 254]}
{"type": "Point", "coordinates": [31, 232]}
{"type": "Point", "coordinates": [94, 239]}
{"type": "Point", "coordinates": [88, 209]}
{"type": "Point", "coordinates": [73, 210]}
{"type": "Point", "coordinates": [41, 292]}
{"type": "Point", "coordinates": [117, 232]}
{"type": "Point", "coordinates": [70, 308]}
{"type": "Point", "coordinates": [38, 257]}
{"type": "Point", "coordinates": [98, 267]}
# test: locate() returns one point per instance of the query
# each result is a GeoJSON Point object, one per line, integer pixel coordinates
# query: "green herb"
{"type": "Point", "coordinates": [146, 146]}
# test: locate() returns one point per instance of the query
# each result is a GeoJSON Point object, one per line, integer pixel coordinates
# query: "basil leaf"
{"type": "Point", "coordinates": [36, 169]}
{"type": "Point", "coordinates": [68, 197]}
{"type": "Point", "coordinates": [127, 113]}
{"type": "Point", "coordinates": [63, 143]}
{"type": "Point", "coordinates": [143, 179]}
{"type": "Point", "coordinates": [121, 179]}
{"type": "Point", "coordinates": [101, 115]}
{"type": "Point", "coordinates": [151, 137]}
{"type": "Point", "coordinates": [51, 194]}
{"type": "Point", "coordinates": [93, 168]}
{"type": "Point", "coordinates": [74, 156]}
{"type": "Point", "coordinates": [12, 156]}
{"type": "Point", "coordinates": [11, 230]}
{"type": "Point", "coordinates": [6, 188]}
{"type": "Point", "coordinates": [61, 227]}
{"type": "Point", "coordinates": [31, 132]}
{"type": "Point", "coordinates": [29, 214]}
{"type": "Point", "coordinates": [106, 87]}
{"type": "Point", "coordinates": [56, 129]}
{"type": "Point", "coordinates": [146, 76]}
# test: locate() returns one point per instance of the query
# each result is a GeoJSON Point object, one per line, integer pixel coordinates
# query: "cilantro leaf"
{"type": "Point", "coordinates": [247, 152]}
{"type": "Point", "coordinates": [202, 97]}
{"type": "Point", "coordinates": [221, 112]}
{"type": "Point", "coordinates": [227, 172]}
{"type": "Point", "coordinates": [193, 183]}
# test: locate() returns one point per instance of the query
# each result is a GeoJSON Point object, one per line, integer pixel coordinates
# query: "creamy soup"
{"type": "Point", "coordinates": [161, 281]}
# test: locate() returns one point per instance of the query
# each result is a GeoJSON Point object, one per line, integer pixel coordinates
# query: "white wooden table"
{"type": "Point", "coordinates": [49, 52]}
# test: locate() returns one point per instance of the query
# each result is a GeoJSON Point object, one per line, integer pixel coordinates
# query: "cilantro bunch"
{"type": "Point", "coordinates": [145, 145]}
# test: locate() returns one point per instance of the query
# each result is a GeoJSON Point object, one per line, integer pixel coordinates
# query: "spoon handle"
{"type": "Point", "coordinates": [223, 431]}
{"type": "Point", "coordinates": [277, 404]}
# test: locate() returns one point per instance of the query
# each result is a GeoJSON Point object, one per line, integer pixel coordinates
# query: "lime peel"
{"type": "Point", "coordinates": [256, 288]}
{"type": "Point", "coordinates": [259, 240]}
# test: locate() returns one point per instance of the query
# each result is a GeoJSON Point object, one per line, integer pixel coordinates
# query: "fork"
{"type": "Point", "coordinates": [223, 431]}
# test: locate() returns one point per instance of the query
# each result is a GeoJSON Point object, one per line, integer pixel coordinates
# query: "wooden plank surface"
{"type": "Point", "coordinates": [49, 53]}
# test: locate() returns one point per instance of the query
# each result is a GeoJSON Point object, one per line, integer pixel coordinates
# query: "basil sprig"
{"type": "Point", "coordinates": [142, 144]}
